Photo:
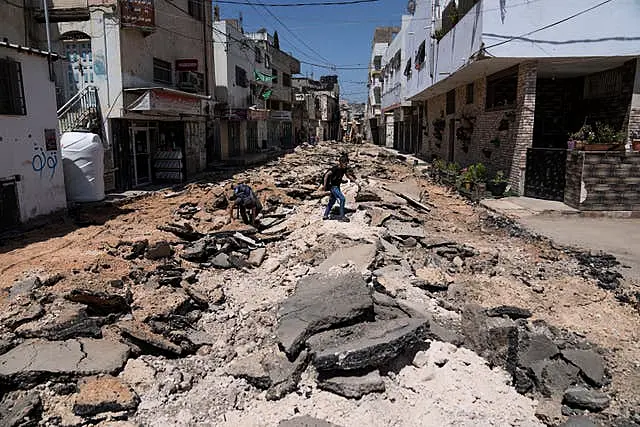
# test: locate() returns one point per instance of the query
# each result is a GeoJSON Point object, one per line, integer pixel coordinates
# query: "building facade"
{"type": "Point", "coordinates": [373, 112]}
{"type": "Point", "coordinates": [31, 173]}
{"type": "Point", "coordinates": [505, 84]}
{"type": "Point", "coordinates": [318, 103]}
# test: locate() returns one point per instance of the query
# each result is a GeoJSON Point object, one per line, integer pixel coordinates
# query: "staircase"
{"type": "Point", "coordinates": [81, 112]}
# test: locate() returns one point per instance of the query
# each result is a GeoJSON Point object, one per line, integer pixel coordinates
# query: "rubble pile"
{"type": "Point", "coordinates": [300, 321]}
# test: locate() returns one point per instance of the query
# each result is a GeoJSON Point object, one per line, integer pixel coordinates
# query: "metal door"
{"type": "Point", "coordinates": [9, 208]}
{"type": "Point", "coordinates": [141, 155]}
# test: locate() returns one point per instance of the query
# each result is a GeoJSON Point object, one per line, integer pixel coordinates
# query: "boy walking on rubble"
{"type": "Point", "coordinates": [332, 181]}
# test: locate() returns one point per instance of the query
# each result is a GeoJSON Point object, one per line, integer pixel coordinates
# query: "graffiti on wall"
{"type": "Point", "coordinates": [46, 159]}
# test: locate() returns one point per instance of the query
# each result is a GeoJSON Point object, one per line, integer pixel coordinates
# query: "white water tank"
{"type": "Point", "coordinates": [83, 164]}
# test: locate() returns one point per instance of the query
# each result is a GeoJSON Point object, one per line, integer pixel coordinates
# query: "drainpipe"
{"type": "Point", "coordinates": [206, 47]}
{"type": "Point", "coordinates": [46, 24]}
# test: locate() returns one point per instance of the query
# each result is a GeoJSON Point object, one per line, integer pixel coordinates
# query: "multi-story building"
{"type": "Point", "coordinates": [505, 84]}
{"type": "Point", "coordinates": [319, 101]}
{"type": "Point", "coordinates": [382, 36]}
{"type": "Point", "coordinates": [253, 90]}
{"type": "Point", "coordinates": [140, 74]}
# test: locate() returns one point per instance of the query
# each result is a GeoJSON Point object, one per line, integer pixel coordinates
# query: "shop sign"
{"type": "Point", "coordinates": [281, 115]}
{"type": "Point", "coordinates": [299, 97]}
{"type": "Point", "coordinates": [232, 114]}
{"type": "Point", "coordinates": [258, 114]}
{"type": "Point", "coordinates": [137, 13]}
{"type": "Point", "coordinates": [187, 65]}
{"type": "Point", "coordinates": [169, 102]}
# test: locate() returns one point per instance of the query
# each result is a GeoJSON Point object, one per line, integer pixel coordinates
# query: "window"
{"type": "Point", "coordinates": [11, 88]}
{"type": "Point", "coordinates": [377, 62]}
{"type": "Point", "coordinates": [407, 69]}
{"type": "Point", "coordinates": [470, 93]}
{"type": "Point", "coordinates": [267, 61]}
{"type": "Point", "coordinates": [420, 56]}
{"type": "Point", "coordinates": [241, 77]}
{"type": "Point", "coordinates": [195, 9]}
{"type": "Point", "coordinates": [286, 80]}
{"type": "Point", "coordinates": [258, 53]}
{"type": "Point", "coordinates": [376, 95]}
{"type": "Point", "coordinates": [502, 89]}
{"type": "Point", "coordinates": [274, 73]}
{"type": "Point", "coordinates": [162, 71]}
{"type": "Point", "coordinates": [451, 102]}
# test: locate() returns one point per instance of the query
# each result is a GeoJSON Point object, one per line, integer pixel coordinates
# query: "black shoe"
{"type": "Point", "coordinates": [326, 217]}
{"type": "Point", "coordinates": [344, 219]}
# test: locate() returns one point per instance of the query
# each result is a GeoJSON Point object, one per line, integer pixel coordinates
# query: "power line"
{"type": "Point", "coordinates": [323, 3]}
{"type": "Point", "coordinates": [293, 34]}
{"type": "Point", "coordinates": [575, 15]}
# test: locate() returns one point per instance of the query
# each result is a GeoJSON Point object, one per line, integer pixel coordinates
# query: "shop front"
{"type": "Point", "coordinates": [279, 129]}
{"type": "Point", "coordinates": [162, 138]}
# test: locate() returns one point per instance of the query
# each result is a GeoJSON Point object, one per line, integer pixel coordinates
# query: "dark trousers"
{"type": "Point", "coordinates": [336, 195]}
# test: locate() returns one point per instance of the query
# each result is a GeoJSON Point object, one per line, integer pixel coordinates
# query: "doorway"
{"type": "Point", "coordinates": [141, 155]}
{"type": "Point", "coordinates": [77, 51]}
{"type": "Point", "coordinates": [9, 207]}
{"type": "Point", "coordinates": [452, 140]}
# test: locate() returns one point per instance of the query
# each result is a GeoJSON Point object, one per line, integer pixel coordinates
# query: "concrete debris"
{"type": "Point", "coordinates": [554, 376]}
{"type": "Point", "coordinates": [359, 256]}
{"type": "Point", "coordinates": [403, 230]}
{"type": "Point", "coordinates": [101, 303]}
{"type": "Point", "coordinates": [63, 319]}
{"type": "Point", "coordinates": [366, 345]}
{"type": "Point", "coordinates": [582, 398]}
{"type": "Point", "coordinates": [36, 359]}
{"type": "Point", "coordinates": [309, 311]}
{"type": "Point", "coordinates": [535, 348]}
{"type": "Point", "coordinates": [590, 363]}
{"type": "Point", "coordinates": [142, 336]}
{"type": "Point", "coordinates": [354, 387]}
{"type": "Point", "coordinates": [393, 278]}
{"type": "Point", "coordinates": [159, 250]}
{"type": "Point", "coordinates": [18, 314]}
{"type": "Point", "coordinates": [104, 394]}
{"type": "Point", "coordinates": [305, 421]}
{"type": "Point", "coordinates": [184, 231]}
{"type": "Point", "coordinates": [20, 409]}
{"type": "Point", "coordinates": [509, 311]}
{"type": "Point", "coordinates": [256, 257]}
{"type": "Point", "coordinates": [579, 421]}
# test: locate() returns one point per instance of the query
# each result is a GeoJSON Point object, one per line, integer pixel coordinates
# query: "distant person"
{"type": "Point", "coordinates": [332, 180]}
{"type": "Point", "coordinates": [246, 202]}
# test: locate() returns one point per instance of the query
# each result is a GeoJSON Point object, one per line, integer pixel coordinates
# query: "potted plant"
{"type": "Point", "coordinates": [605, 138]}
{"type": "Point", "coordinates": [578, 139]}
{"type": "Point", "coordinates": [498, 185]}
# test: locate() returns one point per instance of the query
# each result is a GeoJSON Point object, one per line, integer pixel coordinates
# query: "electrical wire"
{"type": "Point", "coordinates": [293, 34]}
{"type": "Point", "coordinates": [322, 3]}
{"type": "Point", "coordinates": [575, 15]}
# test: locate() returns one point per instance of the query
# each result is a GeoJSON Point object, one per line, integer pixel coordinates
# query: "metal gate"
{"type": "Point", "coordinates": [545, 173]}
{"type": "Point", "coordinates": [252, 136]}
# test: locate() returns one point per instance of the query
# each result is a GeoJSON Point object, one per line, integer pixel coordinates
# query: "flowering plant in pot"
{"type": "Point", "coordinates": [635, 140]}
{"type": "Point", "coordinates": [498, 185]}
{"type": "Point", "coordinates": [605, 138]}
{"type": "Point", "coordinates": [578, 140]}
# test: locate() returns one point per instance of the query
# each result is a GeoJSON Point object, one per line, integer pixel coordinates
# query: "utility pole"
{"type": "Point", "coordinates": [46, 24]}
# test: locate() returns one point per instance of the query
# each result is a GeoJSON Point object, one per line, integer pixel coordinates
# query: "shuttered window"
{"type": "Point", "coordinates": [11, 88]}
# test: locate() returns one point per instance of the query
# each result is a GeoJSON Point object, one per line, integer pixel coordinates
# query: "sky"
{"type": "Point", "coordinates": [339, 35]}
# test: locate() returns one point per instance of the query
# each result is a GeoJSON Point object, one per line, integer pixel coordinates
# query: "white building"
{"type": "Point", "coordinates": [31, 176]}
{"type": "Point", "coordinates": [373, 111]}
{"type": "Point", "coordinates": [140, 74]}
{"type": "Point", "coordinates": [504, 83]}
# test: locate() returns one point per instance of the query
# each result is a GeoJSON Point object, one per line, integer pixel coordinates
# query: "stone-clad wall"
{"type": "Point", "coordinates": [510, 155]}
{"type": "Point", "coordinates": [603, 181]}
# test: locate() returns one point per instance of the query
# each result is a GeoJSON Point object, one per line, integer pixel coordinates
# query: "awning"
{"type": "Point", "coordinates": [166, 100]}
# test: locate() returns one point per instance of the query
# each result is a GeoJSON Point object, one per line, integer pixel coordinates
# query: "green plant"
{"type": "Point", "coordinates": [453, 168]}
{"type": "Point", "coordinates": [440, 164]}
{"type": "Point", "coordinates": [499, 178]}
{"type": "Point", "coordinates": [583, 134]}
{"type": "Point", "coordinates": [606, 134]}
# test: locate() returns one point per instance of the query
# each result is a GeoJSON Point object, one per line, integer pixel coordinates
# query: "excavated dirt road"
{"type": "Point", "coordinates": [193, 343]}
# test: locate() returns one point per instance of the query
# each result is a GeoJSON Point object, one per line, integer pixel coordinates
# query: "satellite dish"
{"type": "Point", "coordinates": [411, 6]}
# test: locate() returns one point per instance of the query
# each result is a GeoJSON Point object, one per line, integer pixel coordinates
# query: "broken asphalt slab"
{"type": "Point", "coordinates": [104, 394]}
{"type": "Point", "coordinates": [40, 358]}
{"type": "Point", "coordinates": [320, 302]}
{"type": "Point", "coordinates": [590, 363]}
{"type": "Point", "coordinates": [582, 398]}
{"type": "Point", "coordinates": [366, 345]}
{"type": "Point", "coordinates": [305, 421]}
{"type": "Point", "coordinates": [354, 387]}
{"type": "Point", "coordinates": [360, 256]}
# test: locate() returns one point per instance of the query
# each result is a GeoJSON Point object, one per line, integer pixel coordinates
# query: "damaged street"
{"type": "Point", "coordinates": [425, 309]}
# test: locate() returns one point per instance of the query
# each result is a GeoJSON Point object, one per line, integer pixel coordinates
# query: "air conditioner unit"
{"type": "Point", "coordinates": [190, 81]}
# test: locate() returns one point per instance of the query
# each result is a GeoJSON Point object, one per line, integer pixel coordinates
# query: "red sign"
{"type": "Point", "coordinates": [187, 65]}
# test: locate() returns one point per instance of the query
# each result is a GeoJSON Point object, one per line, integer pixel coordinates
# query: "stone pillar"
{"type": "Point", "coordinates": [525, 112]}
{"type": "Point", "coordinates": [633, 127]}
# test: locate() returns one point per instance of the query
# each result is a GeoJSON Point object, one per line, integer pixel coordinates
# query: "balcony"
{"type": "Point", "coordinates": [63, 11]}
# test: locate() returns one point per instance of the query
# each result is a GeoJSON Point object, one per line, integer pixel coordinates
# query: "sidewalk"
{"type": "Point", "coordinates": [566, 226]}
